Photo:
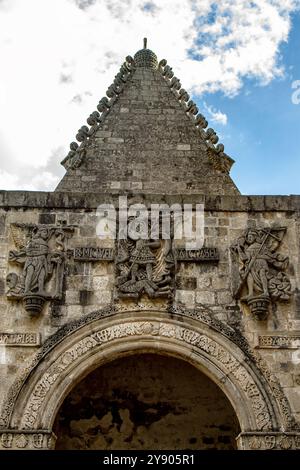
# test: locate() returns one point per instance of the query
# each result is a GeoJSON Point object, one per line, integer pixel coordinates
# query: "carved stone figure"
{"type": "Point", "coordinates": [261, 269]}
{"type": "Point", "coordinates": [144, 266]}
{"type": "Point", "coordinates": [15, 285]}
{"type": "Point", "coordinates": [41, 252]}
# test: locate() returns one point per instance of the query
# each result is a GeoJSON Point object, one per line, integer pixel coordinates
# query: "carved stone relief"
{"type": "Point", "coordinates": [41, 253]}
{"type": "Point", "coordinates": [19, 339]}
{"type": "Point", "coordinates": [268, 441]}
{"type": "Point", "coordinates": [26, 440]}
{"type": "Point", "coordinates": [89, 253]}
{"type": "Point", "coordinates": [144, 265]}
{"type": "Point", "coordinates": [148, 266]}
{"type": "Point", "coordinates": [227, 362]}
{"type": "Point", "coordinates": [258, 365]}
{"type": "Point", "coordinates": [278, 341]}
{"type": "Point", "coordinates": [258, 270]}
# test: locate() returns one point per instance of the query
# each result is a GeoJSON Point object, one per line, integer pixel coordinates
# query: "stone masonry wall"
{"type": "Point", "coordinates": [89, 285]}
{"type": "Point", "coordinates": [147, 143]}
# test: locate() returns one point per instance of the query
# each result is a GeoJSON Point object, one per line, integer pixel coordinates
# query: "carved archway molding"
{"type": "Point", "coordinates": [212, 347]}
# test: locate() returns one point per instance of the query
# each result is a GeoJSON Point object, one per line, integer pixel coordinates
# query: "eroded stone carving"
{"type": "Point", "coordinates": [144, 266]}
{"type": "Point", "coordinates": [268, 441]}
{"type": "Point", "coordinates": [201, 315]}
{"type": "Point", "coordinates": [90, 253]}
{"type": "Point", "coordinates": [20, 339]}
{"type": "Point", "coordinates": [203, 254]}
{"type": "Point", "coordinates": [13, 439]}
{"type": "Point", "coordinates": [258, 271]}
{"type": "Point", "coordinates": [278, 342]}
{"type": "Point", "coordinates": [41, 253]}
{"type": "Point", "coordinates": [227, 362]}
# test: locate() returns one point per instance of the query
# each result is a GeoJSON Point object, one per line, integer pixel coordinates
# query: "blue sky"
{"type": "Point", "coordinates": [263, 127]}
{"type": "Point", "coordinates": [237, 59]}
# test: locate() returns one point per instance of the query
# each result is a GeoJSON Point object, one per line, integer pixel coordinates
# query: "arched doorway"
{"type": "Point", "coordinates": [80, 347]}
{"type": "Point", "coordinates": [146, 401]}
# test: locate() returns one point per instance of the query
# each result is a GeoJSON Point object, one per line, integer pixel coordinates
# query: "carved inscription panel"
{"type": "Point", "coordinates": [19, 339]}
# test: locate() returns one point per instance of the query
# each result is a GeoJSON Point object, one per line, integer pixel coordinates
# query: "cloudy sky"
{"type": "Point", "coordinates": [239, 59]}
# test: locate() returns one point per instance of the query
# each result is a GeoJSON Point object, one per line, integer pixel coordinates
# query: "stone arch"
{"type": "Point", "coordinates": [145, 402]}
{"type": "Point", "coordinates": [102, 338]}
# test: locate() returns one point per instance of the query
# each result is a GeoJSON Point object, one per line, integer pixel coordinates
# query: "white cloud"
{"type": "Point", "coordinates": [215, 115]}
{"type": "Point", "coordinates": [59, 56]}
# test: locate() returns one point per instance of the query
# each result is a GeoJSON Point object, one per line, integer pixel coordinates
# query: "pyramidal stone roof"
{"type": "Point", "coordinates": [147, 137]}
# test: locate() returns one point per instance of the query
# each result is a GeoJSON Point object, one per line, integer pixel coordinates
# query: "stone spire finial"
{"type": "Point", "coordinates": [146, 58]}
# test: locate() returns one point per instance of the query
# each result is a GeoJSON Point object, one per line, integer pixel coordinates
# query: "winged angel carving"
{"type": "Point", "coordinates": [40, 251]}
{"type": "Point", "coordinates": [144, 266]}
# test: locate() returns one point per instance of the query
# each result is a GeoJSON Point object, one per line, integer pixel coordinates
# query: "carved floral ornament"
{"type": "Point", "coordinates": [258, 276]}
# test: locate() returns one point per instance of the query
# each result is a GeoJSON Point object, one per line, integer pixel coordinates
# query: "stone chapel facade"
{"type": "Point", "coordinates": [143, 343]}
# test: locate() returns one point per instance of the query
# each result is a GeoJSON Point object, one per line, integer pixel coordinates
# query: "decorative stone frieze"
{"type": "Point", "coordinates": [19, 339]}
{"type": "Point", "coordinates": [231, 366]}
{"type": "Point", "coordinates": [268, 441]}
{"type": "Point", "coordinates": [10, 439]}
{"type": "Point", "coordinates": [278, 341]}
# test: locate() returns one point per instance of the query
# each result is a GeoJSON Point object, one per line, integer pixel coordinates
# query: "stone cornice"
{"type": "Point", "coordinates": [68, 200]}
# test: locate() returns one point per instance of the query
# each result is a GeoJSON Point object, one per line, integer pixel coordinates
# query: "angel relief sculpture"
{"type": "Point", "coordinates": [144, 266]}
{"type": "Point", "coordinates": [260, 274]}
{"type": "Point", "coordinates": [41, 253]}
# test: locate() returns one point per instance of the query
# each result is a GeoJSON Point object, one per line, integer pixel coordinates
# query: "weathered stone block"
{"type": "Point", "coordinates": [185, 297]}
{"type": "Point", "coordinates": [88, 231]}
{"type": "Point", "coordinates": [186, 283]}
{"type": "Point", "coordinates": [205, 297]}
{"type": "Point", "coordinates": [85, 297]}
{"type": "Point", "coordinates": [47, 218]}
{"type": "Point", "coordinates": [72, 297]}
{"type": "Point", "coordinates": [204, 282]}
{"type": "Point", "coordinates": [223, 222]}
{"type": "Point", "coordinates": [224, 297]}
{"type": "Point", "coordinates": [183, 147]}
